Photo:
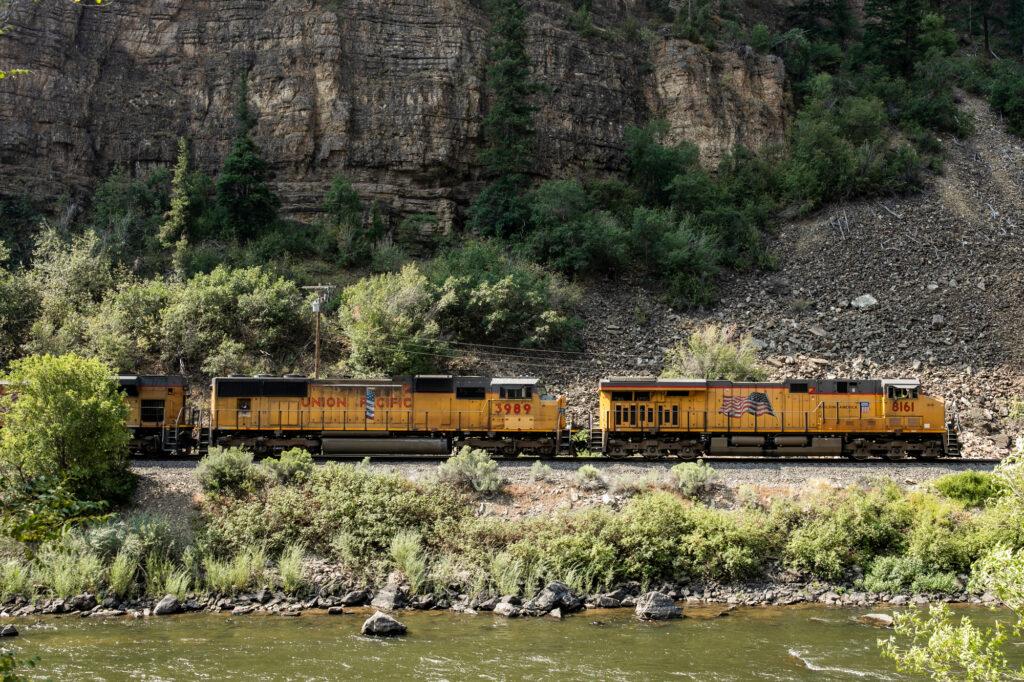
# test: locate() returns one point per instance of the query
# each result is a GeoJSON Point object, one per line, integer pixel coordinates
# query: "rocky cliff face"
{"type": "Point", "coordinates": [388, 93]}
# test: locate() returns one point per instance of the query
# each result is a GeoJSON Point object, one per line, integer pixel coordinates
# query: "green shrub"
{"type": "Point", "coordinates": [539, 471]}
{"type": "Point", "coordinates": [849, 529]}
{"type": "Point", "coordinates": [229, 471]}
{"type": "Point", "coordinates": [714, 352]}
{"type": "Point", "coordinates": [892, 575]}
{"type": "Point", "coordinates": [632, 484]}
{"type": "Point", "coordinates": [693, 479]}
{"type": "Point", "coordinates": [506, 573]}
{"type": "Point", "coordinates": [1006, 94]}
{"type": "Point", "coordinates": [725, 545]}
{"type": "Point", "coordinates": [123, 570]}
{"type": "Point", "coordinates": [487, 296]}
{"type": "Point", "coordinates": [67, 424]}
{"type": "Point", "coordinates": [407, 553]}
{"type": "Point", "coordinates": [589, 477]}
{"type": "Point", "coordinates": [293, 466]}
{"type": "Point", "coordinates": [471, 469]}
{"type": "Point", "coordinates": [941, 535]}
{"type": "Point", "coordinates": [68, 568]}
{"type": "Point", "coordinates": [973, 488]}
{"type": "Point", "coordinates": [389, 322]}
{"type": "Point", "coordinates": [242, 571]}
{"type": "Point", "coordinates": [15, 580]}
{"type": "Point", "coordinates": [290, 568]}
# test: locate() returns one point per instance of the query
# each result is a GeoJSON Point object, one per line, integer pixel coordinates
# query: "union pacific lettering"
{"type": "Point", "coordinates": [330, 401]}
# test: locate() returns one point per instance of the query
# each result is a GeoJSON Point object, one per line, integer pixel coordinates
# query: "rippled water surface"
{"type": "Point", "coordinates": [750, 644]}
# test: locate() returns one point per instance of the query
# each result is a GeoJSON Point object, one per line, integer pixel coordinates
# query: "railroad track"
{"type": "Point", "coordinates": [965, 462]}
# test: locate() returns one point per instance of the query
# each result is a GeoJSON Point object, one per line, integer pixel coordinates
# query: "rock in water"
{"type": "Point", "coordinates": [8, 631]}
{"type": "Point", "coordinates": [335, 610]}
{"type": "Point", "coordinates": [382, 625]}
{"type": "Point", "coordinates": [388, 599]}
{"type": "Point", "coordinates": [167, 606]}
{"type": "Point", "coordinates": [657, 606]}
{"type": "Point", "coordinates": [506, 609]}
{"type": "Point", "coordinates": [879, 620]}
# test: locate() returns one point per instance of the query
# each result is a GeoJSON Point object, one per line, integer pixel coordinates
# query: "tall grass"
{"type": "Point", "coordinates": [15, 580]}
{"type": "Point", "coordinates": [407, 552]}
{"type": "Point", "coordinates": [244, 570]}
{"type": "Point", "coordinates": [290, 568]}
{"type": "Point", "coordinates": [159, 567]}
{"type": "Point", "coordinates": [178, 582]}
{"type": "Point", "coordinates": [506, 573]}
{"type": "Point", "coordinates": [693, 479]}
{"type": "Point", "coordinates": [588, 477]}
{"type": "Point", "coordinates": [66, 570]}
{"type": "Point", "coordinates": [121, 577]}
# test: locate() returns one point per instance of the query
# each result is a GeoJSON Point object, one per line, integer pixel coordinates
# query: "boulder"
{"type": "Point", "coordinates": [551, 596]}
{"type": "Point", "coordinates": [243, 610]}
{"type": "Point", "coordinates": [167, 606]}
{"type": "Point", "coordinates": [356, 598]}
{"type": "Point", "coordinates": [388, 599]}
{"type": "Point", "coordinates": [83, 602]}
{"type": "Point", "coordinates": [107, 613]}
{"type": "Point", "coordinates": [8, 631]}
{"type": "Point", "coordinates": [604, 601]}
{"type": "Point", "coordinates": [423, 602]}
{"type": "Point", "coordinates": [506, 609]}
{"type": "Point", "coordinates": [657, 606]}
{"type": "Point", "coordinates": [382, 625]}
{"type": "Point", "coordinates": [879, 620]}
{"type": "Point", "coordinates": [335, 611]}
{"type": "Point", "coordinates": [555, 613]}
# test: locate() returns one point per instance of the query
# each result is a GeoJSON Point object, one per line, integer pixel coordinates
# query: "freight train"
{"type": "Point", "coordinates": [637, 417]}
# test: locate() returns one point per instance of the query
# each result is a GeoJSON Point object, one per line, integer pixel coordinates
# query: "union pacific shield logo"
{"type": "Point", "coordinates": [371, 403]}
{"type": "Point", "coordinates": [755, 403]}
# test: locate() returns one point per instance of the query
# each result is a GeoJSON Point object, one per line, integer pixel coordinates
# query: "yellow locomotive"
{"type": "Point", "coordinates": [686, 418]}
{"type": "Point", "coordinates": [417, 414]}
{"type": "Point", "coordinates": [158, 414]}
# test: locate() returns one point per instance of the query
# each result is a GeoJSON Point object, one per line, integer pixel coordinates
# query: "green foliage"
{"type": "Point", "coordinates": [126, 216]}
{"type": "Point", "coordinates": [851, 529]}
{"type": "Point", "coordinates": [506, 573]}
{"type": "Point", "coordinates": [355, 240]}
{"type": "Point", "coordinates": [293, 466]}
{"type": "Point", "coordinates": [893, 32]}
{"type": "Point", "coordinates": [693, 479]}
{"type": "Point", "coordinates": [714, 352]}
{"type": "Point", "coordinates": [1006, 93]}
{"type": "Point", "coordinates": [944, 648]}
{"type": "Point", "coordinates": [233, 321]}
{"type": "Point", "coordinates": [15, 580]}
{"type": "Point", "coordinates": [175, 228]}
{"type": "Point", "coordinates": [229, 471]}
{"type": "Point", "coordinates": [125, 330]}
{"type": "Point", "coordinates": [507, 126]}
{"type": "Point", "coordinates": [42, 508]}
{"type": "Point", "coordinates": [973, 488]}
{"type": "Point", "coordinates": [19, 221]}
{"type": "Point", "coordinates": [539, 471]}
{"type": "Point", "coordinates": [486, 296]}
{"type": "Point", "coordinates": [18, 304]}
{"type": "Point", "coordinates": [289, 567]}
{"type": "Point", "coordinates": [893, 575]}
{"type": "Point", "coordinates": [66, 424]}
{"type": "Point", "coordinates": [243, 192]}
{"type": "Point", "coordinates": [471, 469]}
{"type": "Point", "coordinates": [66, 568]}
{"type": "Point", "coordinates": [242, 571]}
{"type": "Point", "coordinates": [390, 324]}
{"type": "Point", "coordinates": [10, 664]}
{"type": "Point", "coordinates": [407, 553]}
{"type": "Point", "coordinates": [588, 477]}
{"type": "Point", "coordinates": [123, 571]}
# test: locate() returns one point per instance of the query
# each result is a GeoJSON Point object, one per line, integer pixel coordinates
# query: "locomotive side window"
{"type": "Point", "coordinates": [897, 393]}
{"type": "Point", "coordinates": [660, 415]}
{"type": "Point", "coordinates": [798, 388]}
{"type": "Point", "coordinates": [622, 395]}
{"type": "Point", "coordinates": [152, 411]}
{"type": "Point", "coordinates": [632, 415]}
{"type": "Point", "coordinates": [243, 405]}
{"type": "Point", "coordinates": [675, 415]}
{"type": "Point", "coordinates": [650, 414]}
{"type": "Point", "coordinates": [677, 394]}
{"type": "Point", "coordinates": [470, 393]}
{"type": "Point", "coordinates": [642, 395]}
{"type": "Point", "coordinates": [618, 414]}
{"type": "Point", "coordinates": [516, 392]}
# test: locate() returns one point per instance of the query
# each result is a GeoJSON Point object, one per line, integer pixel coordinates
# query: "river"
{"type": "Point", "coordinates": [796, 643]}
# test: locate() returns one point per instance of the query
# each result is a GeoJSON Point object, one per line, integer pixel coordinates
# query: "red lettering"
{"type": "Point", "coordinates": [331, 401]}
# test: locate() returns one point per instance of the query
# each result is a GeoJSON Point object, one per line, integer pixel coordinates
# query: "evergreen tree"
{"type": "Point", "coordinates": [243, 193]}
{"type": "Point", "coordinates": [893, 32]}
{"type": "Point", "coordinates": [508, 125]}
{"type": "Point", "coordinates": [174, 231]}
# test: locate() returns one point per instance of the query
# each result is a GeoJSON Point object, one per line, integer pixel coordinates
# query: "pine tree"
{"type": "Point", "coordinates": [243, 192]}
{"type": "Point", "coordinates": [893, 32]}
{"type": "Point", "coordinates": [508, 125]}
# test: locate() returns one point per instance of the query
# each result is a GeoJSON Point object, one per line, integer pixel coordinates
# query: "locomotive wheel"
{"type": "Point", "coordinates": [617, 453]}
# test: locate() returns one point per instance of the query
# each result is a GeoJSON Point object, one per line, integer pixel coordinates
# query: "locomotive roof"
{"type": "Point", "coordinates": [819, 385]}
{"type": "Point", "coordinates": [151, 380]}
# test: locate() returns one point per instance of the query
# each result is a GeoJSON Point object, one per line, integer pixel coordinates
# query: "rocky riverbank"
{"type": "Point", "coordinates": [555, 599]}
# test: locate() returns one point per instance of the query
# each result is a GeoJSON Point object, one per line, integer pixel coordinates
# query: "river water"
{"type": "Point", "coordinates": [796, 643]}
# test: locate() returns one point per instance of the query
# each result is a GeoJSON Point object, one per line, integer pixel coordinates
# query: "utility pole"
{"type": "Point", "coordinates": [322, 292]}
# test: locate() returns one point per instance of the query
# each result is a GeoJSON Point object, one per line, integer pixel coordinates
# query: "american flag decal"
{"type": "Point", "coordinates": [755, 403]}
{"type": "Point", "coordinates": [371, 403]}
